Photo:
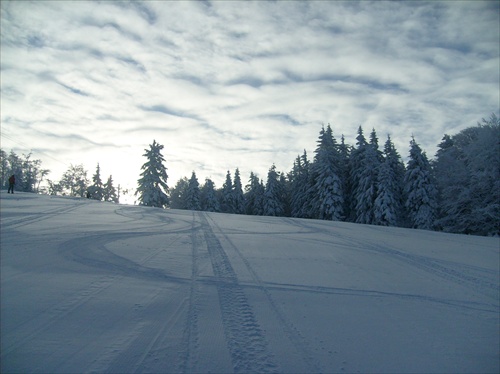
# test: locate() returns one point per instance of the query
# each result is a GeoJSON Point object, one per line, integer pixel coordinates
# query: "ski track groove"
{"type": "Point", "coordinates": [155, 348]}
{"type": "Point", "coordinates": [190, 342]}
{"type": "Point", "coordinates": [146, 346]}
{"type": "Point", "coordinates": [150, 340]}
{"type": "Point", "coordinates": [298, 341]}
{"type": "Point", "coordinates": [52, 315]}
{"type": "Point", "coordinates": [245, 340]}
{"type": "Point", "coordinates": [433, 266]}
{"type": "Point", "coordinates": [38, 217]}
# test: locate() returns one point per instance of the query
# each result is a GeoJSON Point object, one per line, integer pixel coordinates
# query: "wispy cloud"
{"type": "Point", "coordinates": [239, 84]}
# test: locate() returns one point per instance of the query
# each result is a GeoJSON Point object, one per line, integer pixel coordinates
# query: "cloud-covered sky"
{"type": "Point", "coordinates": [228, 84]}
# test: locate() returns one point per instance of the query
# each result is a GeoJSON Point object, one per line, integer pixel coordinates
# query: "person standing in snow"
{"type": "Point", "coordinates": [12, 182]}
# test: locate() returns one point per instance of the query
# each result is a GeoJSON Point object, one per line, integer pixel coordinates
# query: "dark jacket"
{"type": "Point", "coordinates": [12, 180]}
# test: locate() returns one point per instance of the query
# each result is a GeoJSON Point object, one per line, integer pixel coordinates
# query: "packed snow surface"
{"type": "Point", "coordinates": [95, 287]}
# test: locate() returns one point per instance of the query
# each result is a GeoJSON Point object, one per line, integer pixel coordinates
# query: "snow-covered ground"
{"type": "Point", "coordinates": [88, 286]}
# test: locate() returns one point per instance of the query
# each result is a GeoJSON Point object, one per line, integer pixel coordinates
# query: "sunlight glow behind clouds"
{"type": "Point", "coordinates": [238, 84]}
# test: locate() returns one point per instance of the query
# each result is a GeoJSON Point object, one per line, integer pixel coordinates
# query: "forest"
{"type": "Point", "coordinates": [457, 191]}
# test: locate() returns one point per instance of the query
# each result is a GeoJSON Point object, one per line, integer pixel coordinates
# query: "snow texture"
{"type": "Point", "coordinates": [89, 286]}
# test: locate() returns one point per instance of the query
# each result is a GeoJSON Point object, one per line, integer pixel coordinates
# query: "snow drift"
{"type": "Point", "coordinates": [97, 287]}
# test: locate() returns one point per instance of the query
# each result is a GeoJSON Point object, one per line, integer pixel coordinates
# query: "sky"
{"type": "Point", "coordinates": [232, 84]}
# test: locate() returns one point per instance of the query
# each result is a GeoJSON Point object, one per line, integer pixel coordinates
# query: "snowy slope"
{"type": "Point", "coordinates": [96, 287]}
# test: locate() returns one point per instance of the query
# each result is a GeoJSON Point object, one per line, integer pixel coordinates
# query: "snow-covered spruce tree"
{"type": "Point", "coordinates": [328, 197]}
{"type": "Point", "coordinates": [209, 200]}
{"type": "Point", "coordinates": [152, 186]}
{"type": "Point", "coordinates": [96, 190]}
{"type": "Point", "coordinates": [356, 165]}
{"type": "Point", "coordinates": [374, 144]}
{"type": "Point", "coordinates": [260, 197]}
{"type": "Point", "coordinates": [399, 169]}
{"type": "Point", "coordinates": [385, 210]}
{"type": "Point", "coordinates": [344, 155]}
{"type": "Point", "coordinates": [109, 191]}
{"type": "Point", "coordinates": [178, 194]}
{"type": "Point", "coordinates": [193, 199]}
{"type": "Point", "coordinates": [467, 170]}
{"type": "Point", "coordinates": [227, 196]}
{"type": "Point", "coordinates": [453, 183]}
{"type": "Point", "coordinates": [365, 164]}
{"type": "Point", "coordinates": [273, 203]}
{"type": "Point", "coordinates": [299, 185]}
{"type": "Point", "coordinates": [420, 190]}
{"type": "Point", "coordinates": [389, 200]}
{"type": "Point", "coordinates": [254, 196]}
{"type": "Point", "coordinates": [285, 194]}
{"type": "Point", "coordinates": [238, 198]}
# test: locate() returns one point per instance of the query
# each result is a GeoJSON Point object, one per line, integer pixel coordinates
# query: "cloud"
{"type": "Point", "coordinates": [231, 84]}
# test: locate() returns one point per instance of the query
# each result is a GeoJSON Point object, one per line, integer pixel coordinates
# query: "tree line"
{"type": "Point", "coordinates": [74, 182]}
{"type": "Point", "coordinates": [458, 191]}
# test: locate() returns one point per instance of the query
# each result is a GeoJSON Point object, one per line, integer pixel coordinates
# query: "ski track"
{"type": "Point", "coordinates": [163, 352]}
{"type": "Point", "coordinates": [484, 307]}
{"type": "Point", "coordinates": [444, 269]}
{"type": "Point", "coordinates": [137, 214]}
{"type": "Point", "coordinates": [149, 349]}
{"type": "Point", "coordinates": [92, 251]}
{"type": "Point", "coordinates": [245, 340]}
{"type": "Point", "coordinates": [298, 341]}
{"type": "Point", "coordinates": [190, 342]}
{"type": "Point", "coordinates": [38, 217]}
{"type": "Point", "coordinates": [97, 256]}
{"type": "Point", "coordinates": [54, 314]}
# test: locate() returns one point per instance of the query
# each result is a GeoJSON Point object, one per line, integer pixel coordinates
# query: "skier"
{"type": "Point", "coordinates": [12, 182]}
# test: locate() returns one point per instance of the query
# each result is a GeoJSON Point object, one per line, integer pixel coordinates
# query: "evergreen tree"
{"type": "Point", "coordinates": [374, 144]}
{"type": "Point", "coordinates": [468, 179]}
{"type": "Point", "coordinates": [227, 197]}
{"type": "Point", "coordinates": [193, 200]}
{"type": "Point", "coordinates": [356, 166]}
{"type": "Point", "coordinates": [328, 200]}
{"type": "Point", "coordinates": [109, 191]}
{"type": "Point", "coordinates": [178, 195]}
{"type": "Point", "coordinates": [209, 200]}
{"type": "Point", "coordinates": [385, 210]}
{"type": "Point", "coordinates": [299, 185]}
{"type": "Point", "coordinates": [238, 198]}
{"type": "Point", "coordinates": [364, 163]}
{"type": "Point", "coordinates": [273, 203]}
{"type": "Point", "coordinates": [96, 189]}
{"type": "Point", "coordinates": [420, 190]}
{"type": "Point", "coordinates": [285, 194]}
{"type": "Point", "coordinates": [254, 196]}
{"type": "Point", "coordinates": [344, 155]}
{"type": "Point", "coordinates": [152, 186]}
{"type": "Point", "coordinates": [389, 200]}
{"type": "Point", "coordinates": [366, 190]}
